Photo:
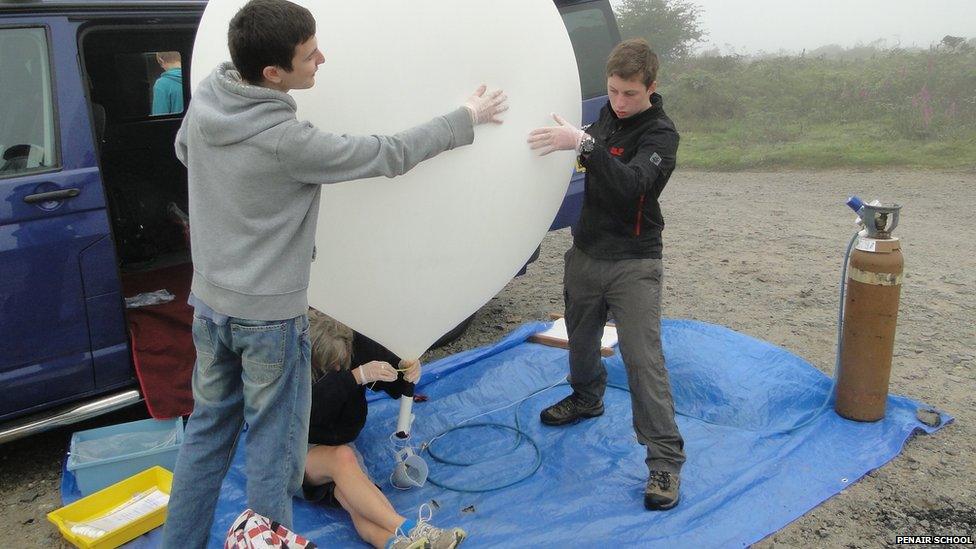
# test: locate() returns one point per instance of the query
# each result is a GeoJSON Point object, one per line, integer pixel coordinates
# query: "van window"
{"type": "Point", "coordinates": [27, 135]}
{"type": "Point", "coordinates": [149, 84]}
{"type": "Point", "coordinates": [591, 30]}
{"type": "Point", "coordinates": [137, 74]}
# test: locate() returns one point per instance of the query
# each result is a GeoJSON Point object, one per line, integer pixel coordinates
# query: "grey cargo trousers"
{"type": "Point", "coordinates": [630, 289]}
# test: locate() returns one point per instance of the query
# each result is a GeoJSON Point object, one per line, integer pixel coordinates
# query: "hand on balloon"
{"type": "Point", "coordinates": [411, 370]}
{"type": "Point", "coordinates": [485, 108]}
{"type": "Point", "coordinates": [374, 371]}
{"type": "Point", "coordinates": [563, 137]}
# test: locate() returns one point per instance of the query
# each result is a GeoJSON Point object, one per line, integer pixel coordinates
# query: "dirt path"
{"type": "Point", "coordinates": [761, 254]}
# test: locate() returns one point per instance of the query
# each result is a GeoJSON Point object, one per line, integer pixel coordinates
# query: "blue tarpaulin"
{"type": "Point", "coordinates": [734, 395]}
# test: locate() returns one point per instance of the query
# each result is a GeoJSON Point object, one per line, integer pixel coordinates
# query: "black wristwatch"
{"type": "Point", "coordinates": [586, 145]}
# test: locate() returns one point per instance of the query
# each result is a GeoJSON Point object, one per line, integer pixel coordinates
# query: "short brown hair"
{"type": "Point", "coordinates": [265, 33]}
{"type": "Point", "coordinates": [632, 58]}
{"type": "Point", "coordinates": [331, 344]}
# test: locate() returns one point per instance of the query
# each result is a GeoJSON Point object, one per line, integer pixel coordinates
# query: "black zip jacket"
{"type": "Point", "coordinates": [339, 403]}
{"type": "Point", "coordinates": [625, 174]}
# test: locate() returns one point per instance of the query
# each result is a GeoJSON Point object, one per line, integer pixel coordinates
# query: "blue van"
{"type": "Point", "coordinates": [91, 198]}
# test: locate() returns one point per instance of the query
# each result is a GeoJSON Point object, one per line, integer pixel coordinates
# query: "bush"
{"type": "Point", "coordinates": [918, 95]}
{"type": "Point", "coordinates": [885, 96]}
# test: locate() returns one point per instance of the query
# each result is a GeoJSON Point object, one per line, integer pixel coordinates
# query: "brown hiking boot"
{"type": "Point", "coordinates": [661, 492]}
{"type": "Point", "coordinates": [570, 410]}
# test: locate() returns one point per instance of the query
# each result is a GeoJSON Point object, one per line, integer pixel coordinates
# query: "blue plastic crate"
{"type": "Point", "coordinates": [101, 457]}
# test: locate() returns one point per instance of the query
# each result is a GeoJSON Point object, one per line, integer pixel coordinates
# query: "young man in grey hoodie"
{"type": "Point", "coordinates": [255, 174]}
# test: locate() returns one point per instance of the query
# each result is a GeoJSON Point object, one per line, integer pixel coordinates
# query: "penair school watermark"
{"type": "Point", "coordinates": [933, 540]}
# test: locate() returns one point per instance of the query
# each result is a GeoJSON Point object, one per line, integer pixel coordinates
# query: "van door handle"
{"type": "Point", "coordinates": [51, 196]}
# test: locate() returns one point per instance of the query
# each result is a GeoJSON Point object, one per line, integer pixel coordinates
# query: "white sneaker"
{"type": "Point", "coordinates": [404, 542]}
{"type": "Point", "coordinates": [438, 538]}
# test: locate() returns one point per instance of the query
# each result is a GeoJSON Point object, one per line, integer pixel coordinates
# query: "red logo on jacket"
{"type": "Point", "coordinates": [617, 151]}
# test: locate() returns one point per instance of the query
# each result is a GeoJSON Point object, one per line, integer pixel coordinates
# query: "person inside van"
{"type": "Point", "coordinates": [344, 364]}
{"type": "Point", "coordinates": [254, 182]}
{"type": "Point", "coordinates": [168, 89]}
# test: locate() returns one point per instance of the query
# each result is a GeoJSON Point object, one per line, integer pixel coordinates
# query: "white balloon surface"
{"type": "Point", "coordinates": [405, 260]}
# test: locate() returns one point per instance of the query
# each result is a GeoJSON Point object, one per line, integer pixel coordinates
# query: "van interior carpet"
{"type": "Point", "coordinates": [162, 344]}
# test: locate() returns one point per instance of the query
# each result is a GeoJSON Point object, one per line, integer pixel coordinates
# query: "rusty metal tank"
{"type": "Point", "coordinates": [874, 280]}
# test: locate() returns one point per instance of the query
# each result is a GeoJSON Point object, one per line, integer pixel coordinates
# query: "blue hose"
{"type": "Point", "coordinates": [519, 436]}
{"type": "Point", "coordinates": [840, 343]}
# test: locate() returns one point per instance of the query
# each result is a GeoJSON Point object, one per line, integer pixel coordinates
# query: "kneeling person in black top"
{"type": "Point", "coordinates": [344, 363]}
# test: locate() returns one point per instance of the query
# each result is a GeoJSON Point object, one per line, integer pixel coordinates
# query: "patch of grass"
{"type": "Point", "coordinates": [863, 145]}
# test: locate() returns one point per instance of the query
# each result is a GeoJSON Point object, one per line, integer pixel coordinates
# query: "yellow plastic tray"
{"type": "Point", "coordinates": [106, 499]}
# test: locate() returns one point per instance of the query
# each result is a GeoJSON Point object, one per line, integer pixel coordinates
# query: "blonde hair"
{"type": "Point", "coordinates": [331, 344]}
{"type": "Point", "coordinates": [169, 56]}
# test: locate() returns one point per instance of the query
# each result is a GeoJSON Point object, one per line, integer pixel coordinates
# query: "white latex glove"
{"type": "Point", "coordinates": [485, 108]}
{"type": "Point", "coordinates": [374, 371]}
{"type": "Point", "coordinates": [563, 137]}
{"type": "Point", "coordinates": [411, 370]}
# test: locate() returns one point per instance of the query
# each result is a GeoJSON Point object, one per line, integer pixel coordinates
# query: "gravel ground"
{"type": "Point", "coordinates": [761, 254]}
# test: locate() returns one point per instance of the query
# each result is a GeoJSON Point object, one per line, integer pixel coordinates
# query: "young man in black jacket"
{"type": "Point", "coordinates": [615, 262]}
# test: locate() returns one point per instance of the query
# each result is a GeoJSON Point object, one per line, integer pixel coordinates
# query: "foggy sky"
{"type": "Point", "coordinates": [749, 26]}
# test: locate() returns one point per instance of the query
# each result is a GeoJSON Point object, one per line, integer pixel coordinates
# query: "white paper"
{"type": "Point", "coordinates": [558, 331]}
{"type": "Point", "coordinates": [866, 244]}
{"type": "Point", "coordinates": [129, 512]}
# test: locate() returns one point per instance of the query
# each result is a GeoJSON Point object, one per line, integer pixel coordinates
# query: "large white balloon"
{"type": "Point", "coordinates": [405, 260]}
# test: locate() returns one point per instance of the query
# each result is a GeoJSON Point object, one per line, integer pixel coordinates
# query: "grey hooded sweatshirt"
{"type": "Point", "coordinates": [255, 172]}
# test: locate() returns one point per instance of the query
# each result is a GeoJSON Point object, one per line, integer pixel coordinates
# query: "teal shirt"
{"type": "Point", "coordinates": [168, 93]}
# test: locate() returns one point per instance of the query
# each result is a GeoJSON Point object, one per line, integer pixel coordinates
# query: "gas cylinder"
{"type": "Point", "coordinates": [874, 279]}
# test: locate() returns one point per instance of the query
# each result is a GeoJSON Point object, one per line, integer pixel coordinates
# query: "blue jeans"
{"type": "Point", "coordinates": [246, 370]}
